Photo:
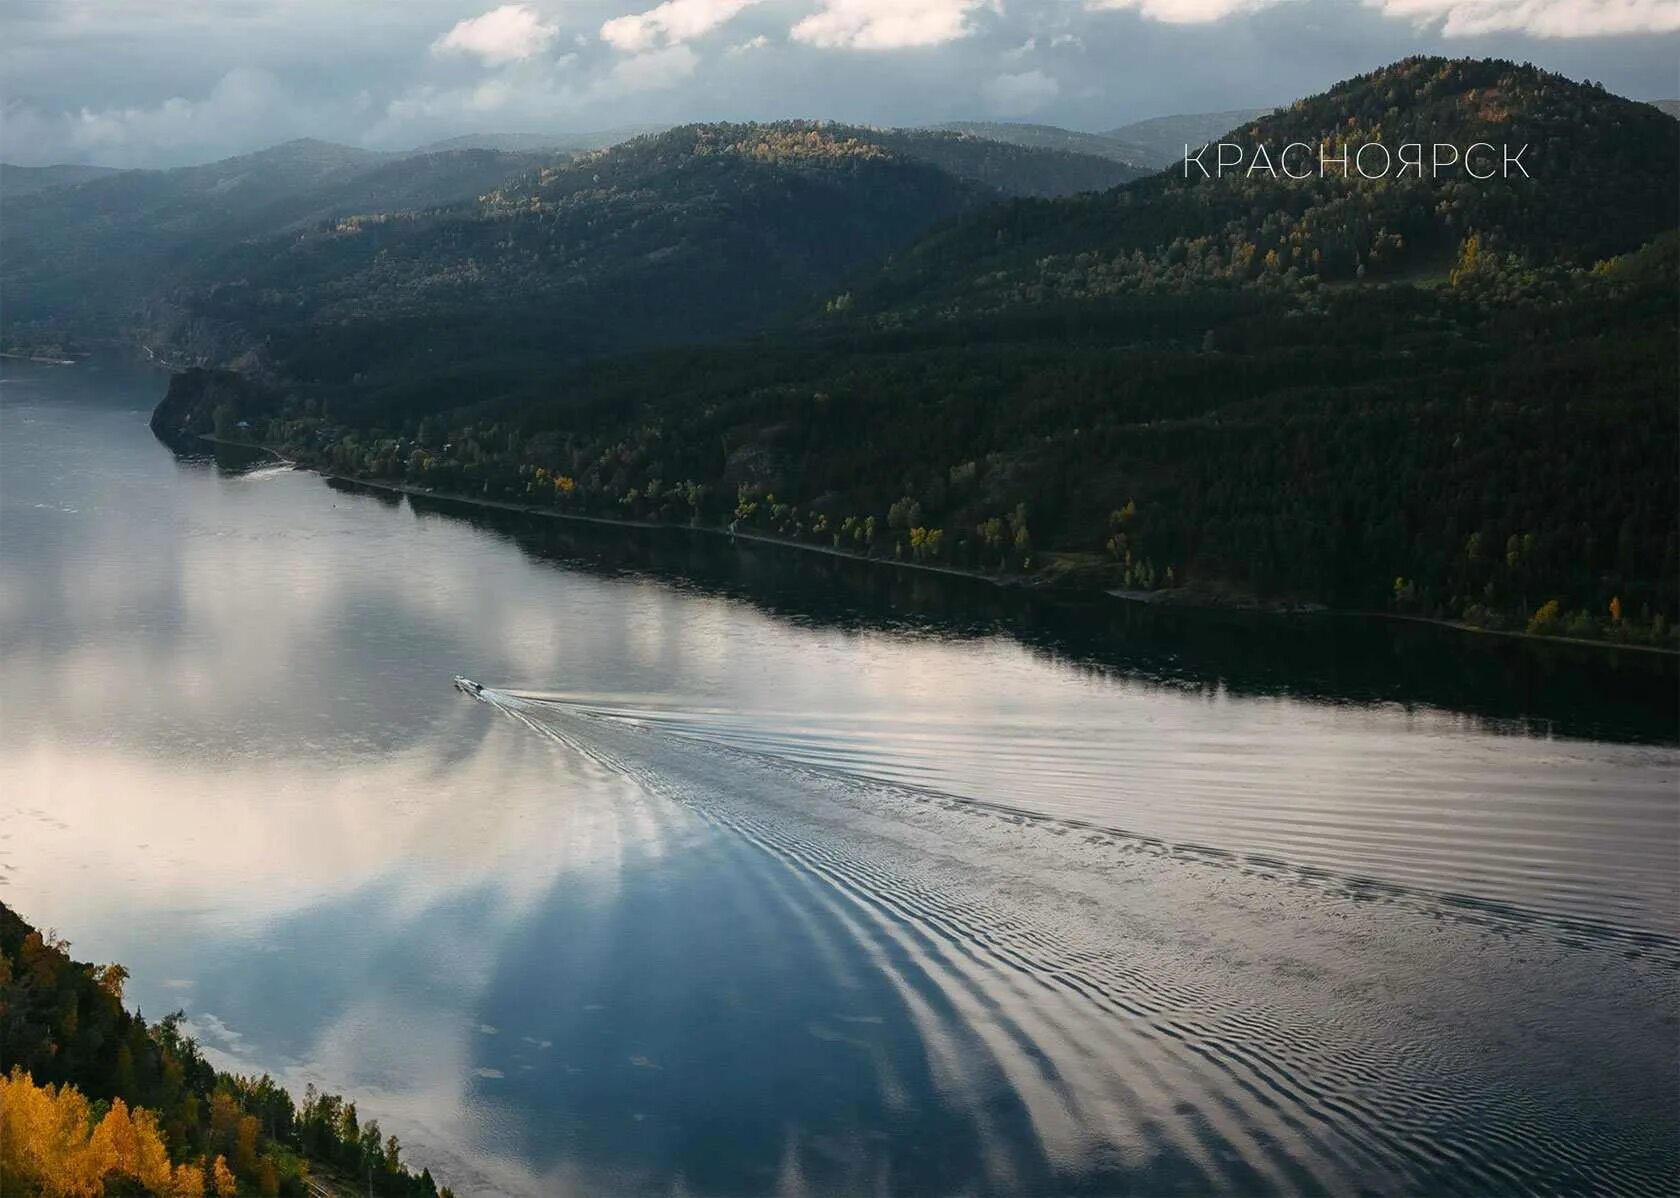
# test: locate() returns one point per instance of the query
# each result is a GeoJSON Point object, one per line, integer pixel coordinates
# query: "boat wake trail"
{"type": "Point", "coordinates": [1106, 1014]}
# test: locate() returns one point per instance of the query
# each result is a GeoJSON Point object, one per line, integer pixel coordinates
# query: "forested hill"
{"type": "Point", "coordinates": [1605, 172]}
{"type": "Point", "coordinates": [1420, 397]}
{"type": "Point", "coordinates": [1011, 167]}
{"type": "Point", "coordinates": [18, 181]}
{"type": "Point", "coordinates": [695, 233]}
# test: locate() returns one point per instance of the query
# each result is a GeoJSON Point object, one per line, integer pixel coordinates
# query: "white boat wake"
{"type": "Point", "coordinates": [1143, 1003]}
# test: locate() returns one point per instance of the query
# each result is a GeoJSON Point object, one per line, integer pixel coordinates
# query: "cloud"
{"type": "Point", "coordinates": [1541, 18]}
{"type": "Point", "coordinates": [654, 71]}
{"type": "Point", "coordinates": [1183, 12]}
{"type": "Point", "coordinates": [888, 24]}
{"type": "Point", "coordinates": [1020, 94]}
{"type": "Point", "coordinates": [507, 34]}
{"type": "Point", "coordinates": [245, 107]}
{"type": "Point", "coordinates": [533, 95]}
{"type": "Point", "coordinates": [752, 43]}
{"type": "Point", "coordinates": [1455, 18]}
{"type": "Point", "coordinates": [673, 22]}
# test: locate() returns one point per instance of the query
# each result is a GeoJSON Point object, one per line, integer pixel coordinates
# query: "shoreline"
{"type": "Point", "coordinates": [507, 505]}
{"type": "Point", "coordinates": [1003, 581]}
{"type": "Point", "coordinates": [17, 357]}
{"type": "Point", "coordinates": [213, 439]}
{"type": "Point", "coordinates": [1512, 633]}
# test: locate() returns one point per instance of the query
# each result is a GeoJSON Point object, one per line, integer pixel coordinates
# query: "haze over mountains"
{"type": "Point", "coordinates": [1145, 144]}
{"type": "Point", "coordinates": [1162, 139]}
{"type": "Point", "coordinates": [92, 251]}
{"type": "Point", "coordinates": [132, 249]}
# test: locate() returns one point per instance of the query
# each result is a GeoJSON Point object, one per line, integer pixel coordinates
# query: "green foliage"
{"type": "Point", "coordinates": [1605, 172]}
{"type": "Point", "coordinates": [1470, 442]}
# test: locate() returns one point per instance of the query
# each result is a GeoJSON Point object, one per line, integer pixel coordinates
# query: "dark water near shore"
{"type": "Point", "coordinates": [765, 872]}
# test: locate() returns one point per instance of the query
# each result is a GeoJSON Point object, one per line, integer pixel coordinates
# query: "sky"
{"type": "Point", "coordinates": [168, 82]}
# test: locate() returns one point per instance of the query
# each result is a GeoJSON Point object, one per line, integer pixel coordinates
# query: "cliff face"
{"type": "Point", "coordinates": [208, 401]}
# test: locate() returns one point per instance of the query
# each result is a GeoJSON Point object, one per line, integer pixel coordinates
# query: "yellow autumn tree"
{"type": "Point", "coordinates": [1471, 261]}
{"type": "Point", "coordinates": [133, 1147]}
{"type": "Point", "coordinates": [45, 1140]}
{"type": "Point", "coordinates": [49, 1144]}
{"type": "Point", "coordinates": [1545, 619]}
{"type": "Point", "coordinates": [226, 1184]}
{"type": "Point", "coordinates": [187, 1183]}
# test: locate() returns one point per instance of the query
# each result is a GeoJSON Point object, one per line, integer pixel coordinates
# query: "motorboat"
{"type": "Point", "coordinates": [468, 687]}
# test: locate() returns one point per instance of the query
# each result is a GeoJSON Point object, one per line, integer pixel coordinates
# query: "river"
{"type": "Point", "coordinates": [762, 872]}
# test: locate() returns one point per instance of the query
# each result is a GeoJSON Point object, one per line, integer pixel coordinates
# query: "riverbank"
{"type": "Point", "coordinates": [1201, 599]}
{"type": "Point", "coordinates": [272, 452]}
{"type": "Point", "coordinates": [529, 509]}
{"type": "Point", "coordinates": [44, 361]}
{"type": "Point", "coordinates": [1183, 597]}
{"type": "Point", "coordinates": [1514, 634]}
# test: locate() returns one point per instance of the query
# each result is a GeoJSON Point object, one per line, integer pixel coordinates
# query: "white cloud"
{"type": "Point", "coordinates": [888, 24]}
{"type": "Point", "coordinates": [1455, 18]}
{"type": "Point", "coordinates": [1542, 18]}
{"type": "Point", "coordinates": [671, 23]}
{"type": "Point", "coordinates": [1020, 94]}
{"type": "Point", "coordinates": [535, 95]}
{"type": "Point", "coordinates": [1183, 12]}
{"type": "Point", "coordinates": [751, 44]}
{"type": "Point", "coordinates": [244, 106]}
{"type": "Point", "coordinates": [653, 71]}
{"type": "Point", "coordinates": [507, 34]}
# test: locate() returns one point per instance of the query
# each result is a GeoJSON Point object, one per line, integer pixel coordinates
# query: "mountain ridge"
{"type": "Point", "coordinates": [1162, 138]}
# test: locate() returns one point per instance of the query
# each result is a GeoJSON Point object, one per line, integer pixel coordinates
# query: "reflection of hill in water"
{"type": "Point", "coordinates": [1520, 686]}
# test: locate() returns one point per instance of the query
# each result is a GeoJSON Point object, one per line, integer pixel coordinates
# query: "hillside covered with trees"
{"type": "Point", "coordinates": [1602, 174]}
{"type": "Point", "coordinates": [1415, 396]}
{"type": "Point", "coordinates": [93, 1099]}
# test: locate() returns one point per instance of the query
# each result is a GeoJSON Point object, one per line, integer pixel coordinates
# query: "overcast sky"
{"type": "Point", "coordinates": [166, 82]}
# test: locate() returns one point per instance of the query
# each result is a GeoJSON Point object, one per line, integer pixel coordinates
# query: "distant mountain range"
{"type": "Point", "coordinates": [173, 251]}
{"type": "Point", "coordinates": [1146, 145]}
{"type": "Point", "coordinates": [27, 180]}
{"type": "Point", "coordinates": [1051, 137]}
{"type": "Point", "coordinates": [535, 143]}
{"type": "Point", "coordinates": [1162, 139]}
{"type": "Point", "coordinates": [1143, 145]}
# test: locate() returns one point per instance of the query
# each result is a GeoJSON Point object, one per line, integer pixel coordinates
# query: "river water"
{"type": "Point", "coordinates": [759, 872]}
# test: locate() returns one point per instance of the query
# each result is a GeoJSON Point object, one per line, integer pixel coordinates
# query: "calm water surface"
{"type": "Point", "coordinates": [762, 873]}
